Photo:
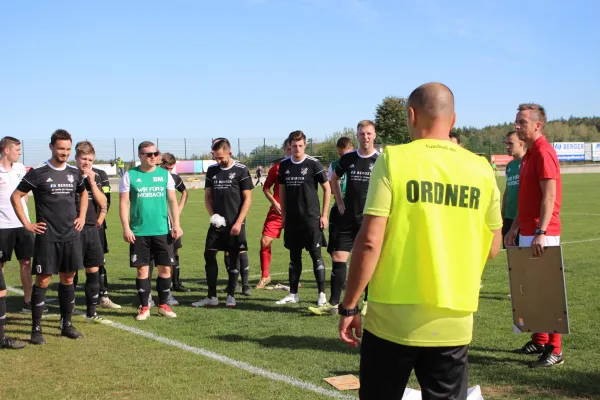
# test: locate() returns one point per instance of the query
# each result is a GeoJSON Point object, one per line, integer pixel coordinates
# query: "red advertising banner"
{"type": "Point", "coordinates": [500, 159]}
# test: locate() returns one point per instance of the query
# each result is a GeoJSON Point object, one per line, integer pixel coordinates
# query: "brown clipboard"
{"type": "Point", "coordinates": [538, 290]}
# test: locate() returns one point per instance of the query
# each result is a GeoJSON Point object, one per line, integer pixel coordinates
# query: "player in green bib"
{"type": "Point", "coordinates": [144, 193]}
{"type": "Point", "coordinates": [516, 149]}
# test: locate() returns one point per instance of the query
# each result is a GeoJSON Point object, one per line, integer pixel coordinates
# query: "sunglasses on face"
{"type": "Point", "coordinates": [151, 154]}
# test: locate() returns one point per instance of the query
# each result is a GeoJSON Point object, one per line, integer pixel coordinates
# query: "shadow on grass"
{"type": "Point", "coordinates": [293, 343]}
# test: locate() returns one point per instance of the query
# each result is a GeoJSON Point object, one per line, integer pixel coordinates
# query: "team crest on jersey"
{"type": "Point", "coordinates": [70, 178]}
{"type": "Point", "coordinates": [304, 171]}
{"type": "Point", "coordinates": [352, 166]}
{"type": "Point", "coordinates": [371, 166]}
{"type": "Point", "coordinates": [232, 175]}
{"type": "Point", "coordinates": [139, 180]}
{"type": "Point", "coordinates": [287, 172]}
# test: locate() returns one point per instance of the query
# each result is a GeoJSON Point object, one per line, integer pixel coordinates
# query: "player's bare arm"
{"type": "Point", "coordinates": [282, 200]}
{"type": "Point", "coordinates": [83, 205]}
{"type": "Point", "coordinates": [548, 187]}
{"type": "Point", "coordinates": [326, 199]}
{"type": "Point", "coordinates": [271, 198]}
{"type": "Point", "coordinates": [183, 200]}
{"type": "Point", "coordinates": [174, 210]}
{"type": "Point", "coordinates": [504, 200]}
{"type": "Point", "coordinates": [37, 228]}
{"type": "Point", "coordinates": [208, 201]}
{"type": "Point", "coordinates": [365, 255]}
{"type": "Point", "coordinates": [124, 207]}
{"type": "Point", "coordinates": [237, 227]}
{"type": "Point", "coordinates": [496, 244]}
{"type": "Point", "coordinates": [337, 193]}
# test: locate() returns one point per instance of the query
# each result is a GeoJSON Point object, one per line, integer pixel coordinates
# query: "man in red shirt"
{"type": "Point", "coordinates": [273, 224]}
{"type": "Point", "coordinates": [540, 195]}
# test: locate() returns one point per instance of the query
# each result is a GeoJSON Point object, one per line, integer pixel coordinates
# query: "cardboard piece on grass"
{"type": "Point", "coordinates": [344, 382]}
{"type": "Point", "coordinates": [538, 292]}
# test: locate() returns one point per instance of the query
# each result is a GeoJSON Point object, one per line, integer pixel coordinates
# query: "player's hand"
{"type": "Point", "coordinates": [38, 228]}
{"type": "Point", "coordinates": [324, 222]}
{"type": "Point", "coordinates": [236, 229]}
{"type": "Point", "coordinates": [79, 223]}
{"type": "Point", "coordinates": [90, 174]}
{"type": "Point", "coordinates": [537, 245]}
{"type": "Point", "coordinates": [176, 232]}
{"type": "Point", "coordinates": [99, 224]}
{"type": "Point", "coordinates": [351, 330]}
{"type": "Point", "coordinates": [509, 239]}
{"type": "Point", "coordinates": [128, 236]}
{"type": "Point", "coordinates": [341, 208]}
{"type": "Point", "coordinates": [277, 208]}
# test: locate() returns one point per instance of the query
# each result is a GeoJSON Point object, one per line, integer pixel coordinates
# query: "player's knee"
{"type": "Point", "coordinates": [317, 259]}
{"type": "Point", "coordinates": [25, 264]}
{"type": "Point", "coordinates": [265, 242]}
{"type": "Point", "coordinates": [66, 278]}
{"type": "Point", "coordinates": [42, 281]}
{"type": "Point", "coordinates": [210, 256]}
{"type": "Point", "coordinates": [296, 256]}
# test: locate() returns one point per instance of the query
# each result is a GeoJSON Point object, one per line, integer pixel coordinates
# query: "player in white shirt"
{"type": "Point", "coordinates": [13, 237]}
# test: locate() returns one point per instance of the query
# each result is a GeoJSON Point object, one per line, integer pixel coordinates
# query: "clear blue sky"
{"type": "Point", "coordinates": [251, 68]}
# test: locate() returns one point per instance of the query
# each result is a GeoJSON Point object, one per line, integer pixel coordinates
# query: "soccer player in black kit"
{"type": "Point", "coordinates": [57, 248]}
{"type": "Point", "coordinates": [91, 244]}
{"type": "Point", "coordinates": [357, 166]}
{"type": "Point", "coordinates": [228, 193]}
{"type": "Point", "coordinates": [303, 219]}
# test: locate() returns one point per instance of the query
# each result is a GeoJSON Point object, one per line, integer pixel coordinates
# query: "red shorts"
{"type": "Point", "coordinates": [273, 225]}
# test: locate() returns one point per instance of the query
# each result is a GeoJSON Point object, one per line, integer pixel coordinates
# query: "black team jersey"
{"type": "Point", "coordinates": [180, 186]}
{"type": "Point", "coordinates": [301, 180]}
{"type": "Point", "coordinates": [93, 209]}
{"type": "Point", "coordinates": [227, 185]}
{"type": "Point", "coordinates": [54, 191]}
{"type": "Point", "coordinates": [105, 189]}
{"type": "Point", "coordinates": [358, 174]}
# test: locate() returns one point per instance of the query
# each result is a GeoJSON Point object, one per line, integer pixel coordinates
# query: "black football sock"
{"type": "Point", "coordinates": [318, 268]}
{"type": "Point", "coordinates": [143, 288]}
{"type": "Point", "coordinates": [244, 268]}
{"type": "Point", "coordinates": [76, 280]}
{"type": "Point", "coordinates": [233, 273]}
{"type": "Point", "coordinates": [2, 317]}
{"type": "Point", "coordinates": [103, 282]}
{"type": "Point", "coordinates": [66, 301]}
{"type": "Point", "coordinates": [92, 292]}
{"type": "Point", "coordinates": [38, 300]}
{"type": "Point", "coordinates": [176, 281]}
{"type": "Point", "coordinates": [295, 270]}
{"type": "Point", "coordinates": [212, 271]}
{"type": "Point", "coordinates": [338, 277]}
{"type": "Point", "coordinates": [163, 287]}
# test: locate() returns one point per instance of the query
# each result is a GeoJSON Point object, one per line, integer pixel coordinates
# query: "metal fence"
{"type": "Point", "coordinates": [251, 151]}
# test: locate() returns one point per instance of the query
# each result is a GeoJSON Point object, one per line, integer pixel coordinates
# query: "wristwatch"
{"type": "Point", "coordinates": [538, 231]}
{"type": "Point", "coordinates": [347, 312]}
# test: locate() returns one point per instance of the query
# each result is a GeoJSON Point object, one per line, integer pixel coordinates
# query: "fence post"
{"type": "Point", "coordinates": [157, 144]}
{"type": "Point", "coordinates": [184, 149]}
{"type": "Point", "coordinates": [239, 150]}
{"type": "Point", "coordinates": [133, 150]}
{"type": "Point", "coordinates": [115, 144]}
{"type": "Point", "coordinates": [23, 151]}
{"type": "Point", "coordinates": [264, 151]}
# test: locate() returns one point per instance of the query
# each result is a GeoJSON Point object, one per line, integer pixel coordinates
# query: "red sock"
{"type": "Point", "coordinates": [540, 338]}
{"type": "Point", "coordinates": [555, 340]}
{"type": "Point", "coordinates": [265, 261]}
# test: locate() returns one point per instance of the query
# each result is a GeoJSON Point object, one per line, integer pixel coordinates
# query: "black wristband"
{"type": "Point", "coordinates": [347, 312]}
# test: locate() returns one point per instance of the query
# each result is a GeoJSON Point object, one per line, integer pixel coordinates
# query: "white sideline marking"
{"type": "Point", "coordinates": [574, 241]}
{"type": "Point", "coordinates": [222, 359]}
{"type": "Point", "coordinates": [570, 213]}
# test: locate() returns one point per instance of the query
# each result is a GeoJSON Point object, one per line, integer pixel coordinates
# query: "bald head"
{"type": "Point", "coordinates": [431, 106]}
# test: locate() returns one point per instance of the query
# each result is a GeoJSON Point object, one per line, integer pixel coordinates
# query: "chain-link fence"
{"type": "Point", "coordinates": [251, 151]}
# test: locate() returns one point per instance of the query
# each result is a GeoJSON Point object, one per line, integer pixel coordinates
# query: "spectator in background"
{"type": "Point", "coordinates": [120, 167]}
{"type": "Point", "coordinates": [258, 175]}
{"type": "Point", "coordinates": [455, 138]}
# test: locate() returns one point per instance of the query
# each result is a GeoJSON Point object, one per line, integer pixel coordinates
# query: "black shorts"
{"type": "Point", "coordinates": [18, 239]}
{"type": "Point", "coordinates": [177, 244]}
{"type": "Point", "coordinates": [103, 241]}
{"type": "Point", "coordinates": [160, 248]}
{"type": "Point", "coordinates": [220, 239]}
{"type": "Point", "coordinates": [506, 224]}
{"type": "Point", "coordinates": [50, 258]}
{"type": "Point", "coordinates": [342, 232]}
{"type": "Point", "coordinates": [91, 247]}
{"type": "Point", "coordinates": [305, 234]}
{"type": "Point", "coordinates": [385, 368]}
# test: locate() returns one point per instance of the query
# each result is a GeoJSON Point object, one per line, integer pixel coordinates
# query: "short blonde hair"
{"type": "Point", "coordinates": [364, 123]}
{"type": "Point", "coordinates": [538, 112]}
{"type": "Point", "coordinates": [84, 148]}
